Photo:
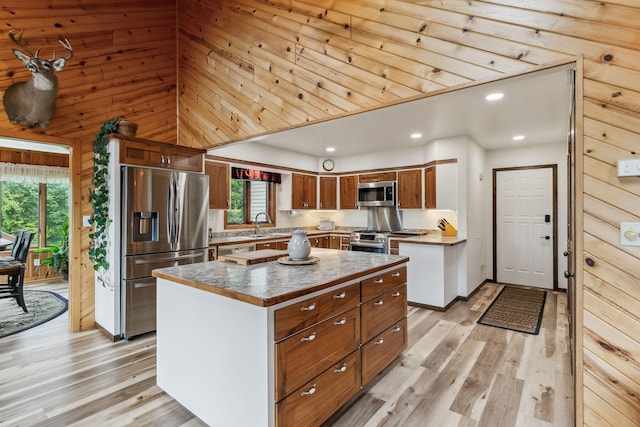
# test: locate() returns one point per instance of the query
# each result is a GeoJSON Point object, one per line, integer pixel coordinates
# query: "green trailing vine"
{"type": "Point", "coordinates": [99, 196]}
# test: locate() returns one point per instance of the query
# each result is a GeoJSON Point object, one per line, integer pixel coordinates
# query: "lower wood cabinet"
{"type": "Point", "coordinates": [308, 353]}
{"type": "Point", "coordinates": [318, 399]}
{"type": "Point", "coordinates": [378, 353]}
{"type": "Point", "coordinates": [330, 346]}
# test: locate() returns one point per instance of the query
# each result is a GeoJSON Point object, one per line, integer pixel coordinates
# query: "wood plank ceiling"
{"type": "Point", "coordinates": [253, 67]}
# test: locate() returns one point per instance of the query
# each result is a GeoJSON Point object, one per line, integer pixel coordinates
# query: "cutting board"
{"type": "Point", "coordinates": [254, 257]}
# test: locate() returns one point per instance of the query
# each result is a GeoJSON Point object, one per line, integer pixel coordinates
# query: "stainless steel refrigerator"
{"type": "Point", "coordinates": [164, 224]}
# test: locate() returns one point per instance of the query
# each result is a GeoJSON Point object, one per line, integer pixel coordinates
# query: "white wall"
{"type": "Point", "coordinates": [529, 156]}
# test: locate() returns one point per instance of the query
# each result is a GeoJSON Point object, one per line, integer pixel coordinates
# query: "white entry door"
{"type": "Point", "coordinates": [524, 213]}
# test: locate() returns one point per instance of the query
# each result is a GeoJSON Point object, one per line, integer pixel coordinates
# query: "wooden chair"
{"type": "Point", "coordinates": [14, 269]}
{"type": "Point", "coordinates": [15, 247]}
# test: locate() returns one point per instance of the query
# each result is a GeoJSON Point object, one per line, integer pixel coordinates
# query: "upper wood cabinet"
{"type": "Point", "coordinates": [410, 189]}
{"type": "Point", "coordinates": [328, 192]}
{"type": "Point", "coordinates": [430, 188]}
{"type": "Point", "coordinates": [303, 191]}
{"type": "Point", "coordinates": [219, 184]}
{"type": "Point", "coordinates": [348, 192]}
{"type": "Point", "coordinates": [441, 186]}
{"type": "Point", "coordinates": [160, 155]}
{"type": "Point", "coordinates": [378, 177]}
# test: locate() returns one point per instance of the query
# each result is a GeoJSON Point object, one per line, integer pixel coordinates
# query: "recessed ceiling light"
{"type": "Point", "coordinates": [494, 96]}
{"type": "Point", "coordinates": [330, 149]}
{"type": "Point", "coordinates": [416, 135]}
{"type": "Point", "coordinates": [518, 137]}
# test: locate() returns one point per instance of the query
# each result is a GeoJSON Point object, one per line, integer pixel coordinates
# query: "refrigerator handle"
{"type": "Point", "coordinates": [176, 205]}
{"type": "Point", "coordinates": [170, 212]}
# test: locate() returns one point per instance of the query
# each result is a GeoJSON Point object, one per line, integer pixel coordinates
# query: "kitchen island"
{"type": "Point", "coordinates": [272, 344]}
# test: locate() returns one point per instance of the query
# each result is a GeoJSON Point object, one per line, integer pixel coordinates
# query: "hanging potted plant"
{"type": "Point", "coordinates": [59, 259]}
{"type": "Point", "coordinates": [99, 196]}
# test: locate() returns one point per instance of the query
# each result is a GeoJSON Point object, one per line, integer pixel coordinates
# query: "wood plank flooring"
{"type": "Point", "coordinates": [454, 373]}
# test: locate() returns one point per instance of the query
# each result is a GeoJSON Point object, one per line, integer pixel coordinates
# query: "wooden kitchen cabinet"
{"type": "Point", "coordinates": [328, 192]}
{"type": "Point", "coordinates": [348, 192]}
{"type": "Point", "coordinates": [378, 177]}
{"type": "Point", "coordinates": [303, 191]}
{"type": "Point", "coordinates": [219, 184]}
{"type": "Point", "coordinates": [410, 189]}
{"type": "Point", "coordinates": [266, 245]}
{"type": "Point", "coordinates": [334, 242]}
{"type": "Point", "coordinates": [441, 186]}
{"type": "Point", "coordinates": [383, 349]}
{"type": "Point", "coordinates": [155, 154]}
{"type": "Point", "coordinates": [430, 188]}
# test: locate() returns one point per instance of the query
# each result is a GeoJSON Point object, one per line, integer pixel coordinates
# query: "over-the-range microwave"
{"type": "Point", "coordinates": [382, 193]}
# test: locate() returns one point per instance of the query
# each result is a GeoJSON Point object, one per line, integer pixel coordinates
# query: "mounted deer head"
{"type": "Point", "coordinates": [32, 102]}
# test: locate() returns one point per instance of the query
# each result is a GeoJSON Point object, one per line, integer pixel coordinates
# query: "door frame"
{"type": "Point", "coordinates": [554, 213]}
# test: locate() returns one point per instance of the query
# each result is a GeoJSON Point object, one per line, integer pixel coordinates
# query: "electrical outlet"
{"type": "Point", "coordinates": [36, 262]}
{"type": "Point", "coordinates": [630, 233]}
{"type": "Point", "coordinates": [629, 167]}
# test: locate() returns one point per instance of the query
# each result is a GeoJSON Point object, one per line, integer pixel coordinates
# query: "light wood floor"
{"type": "Point", "coordinates": [454, 373]}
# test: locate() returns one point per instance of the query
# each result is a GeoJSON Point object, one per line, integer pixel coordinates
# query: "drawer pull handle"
{"type": "Point", "coordinates": [341, 369]}
{"type": "Point", "coordinates": [311, 307]}
{"type": "Point", "coordinates": [309, 338]}
{"type": "Point", "coordinates": [378, 303]}
{"type": "Point", "coordinates": [380, 341]}
{"type": "Point", "coordinates": [395, 275]}
{"type": "Point", "coordinates": [310, 392]}
{"type": "Point", "coordinates": [395, 294]}
{"type": "Point", "coordinates": [379, 281]}
{"type": "Point", "coordinates": [340, 296]}
{"type": "Point", "coordinates": [340, 322]}
{"type": "Point", "coordinates": [396, 329]}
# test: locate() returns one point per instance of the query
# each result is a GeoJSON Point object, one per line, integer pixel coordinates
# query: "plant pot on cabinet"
{"type": "Point", "coordinates": [127, 128]}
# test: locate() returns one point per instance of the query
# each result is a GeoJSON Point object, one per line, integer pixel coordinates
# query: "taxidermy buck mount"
{"type": "Point", "coordinates": [32, 102]}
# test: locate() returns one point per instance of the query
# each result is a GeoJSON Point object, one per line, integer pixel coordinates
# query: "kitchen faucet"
{"type": "Point", "coordinates": [256, 229]}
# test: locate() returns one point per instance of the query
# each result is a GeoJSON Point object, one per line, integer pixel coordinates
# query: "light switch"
{"type": "Point", "coordinates": [630, 233]}
{"type": "Point", "coordinates": [629, 167]}
{"type": "Point", "coordinates": [85, 221]}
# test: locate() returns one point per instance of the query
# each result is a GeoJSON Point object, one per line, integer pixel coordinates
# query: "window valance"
{"type": "Point", "coordinates": [33, 174]}
{"type": "Point", "coordinates": [255, 175]}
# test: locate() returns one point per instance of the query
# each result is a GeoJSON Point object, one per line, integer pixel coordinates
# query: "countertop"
{"type": "Point", "coordinates": [431, 239]}
{"type": "Point", "coordinates": [269, 235]}
{"type": "Point", "coordinates": [270, 283]}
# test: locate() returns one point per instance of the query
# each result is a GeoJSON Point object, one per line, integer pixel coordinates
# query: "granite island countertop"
{"type": "Point", "coordinates": [270, 283]}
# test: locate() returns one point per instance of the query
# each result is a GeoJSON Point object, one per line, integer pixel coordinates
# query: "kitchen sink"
{"type": "Point", "coordinates": [280, 234]}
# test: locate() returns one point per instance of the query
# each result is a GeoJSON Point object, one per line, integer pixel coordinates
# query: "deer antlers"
{"type": "Point", "coordinates": [23, 45]}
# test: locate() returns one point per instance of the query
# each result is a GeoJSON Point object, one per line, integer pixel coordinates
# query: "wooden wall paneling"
{"type": "Point", "coordinates": [400, 48]}
{"type": "Point", "coordinates": [124, 63]}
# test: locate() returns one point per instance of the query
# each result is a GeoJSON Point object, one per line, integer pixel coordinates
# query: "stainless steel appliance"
{"type": "Point", "coordinates": [369, 241]}
{"type": "Point", "coordinates": [164, 224]}
{"type": "Point", "coordinates": [381, 221]}
{"type": "Point", "coordinates": [381, 193]}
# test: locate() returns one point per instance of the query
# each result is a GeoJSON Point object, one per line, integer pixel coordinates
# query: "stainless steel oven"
{"type": "Point", "coordinates": [369, 241]}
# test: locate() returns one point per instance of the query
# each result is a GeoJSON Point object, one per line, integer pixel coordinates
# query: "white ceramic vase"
{"type": "Point", "coordinates": [299, 246]}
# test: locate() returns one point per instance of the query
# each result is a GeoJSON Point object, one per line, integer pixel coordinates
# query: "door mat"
{"type": "Point", "coordinates": [42, 305]}
{"type": "Point", "coordinates": [517, 309]}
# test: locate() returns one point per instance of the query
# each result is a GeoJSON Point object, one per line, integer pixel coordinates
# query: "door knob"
{"type": "Point", "coordinates": [566, 253]}
{"type": "Point", "coordinates": [545, 237]}
{"type": "Point", "coordinates": [568, 274]}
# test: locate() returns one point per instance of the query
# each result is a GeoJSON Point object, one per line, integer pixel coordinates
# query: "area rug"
{"type": "Point", "coordinates": [42, 305]}
{"type": "Point", "coordinates": [517, 309]}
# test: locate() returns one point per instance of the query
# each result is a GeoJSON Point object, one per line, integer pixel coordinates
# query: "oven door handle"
{"type": "Point", "coordinates": [367, 245]}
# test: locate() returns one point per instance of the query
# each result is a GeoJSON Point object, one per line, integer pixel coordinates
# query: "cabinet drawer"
{"type": "Point", "coordinates": [304, 355]}
{"type": "Point", "coordinates": [315, 401]}
{"type": "Point", "coordinates": [382, 283]}
{"type": "Point", "coordinates": [383, 311]}
{"type": "Point", "coordinates": [266, 245]}
{"type": "Point", "coordinates": [378, 353]}
{"type": "Point", "coordinates": [297, 317]}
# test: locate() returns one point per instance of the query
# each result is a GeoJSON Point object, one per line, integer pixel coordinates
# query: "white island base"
{"type": "Point", "coordinates": [195, 329]}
